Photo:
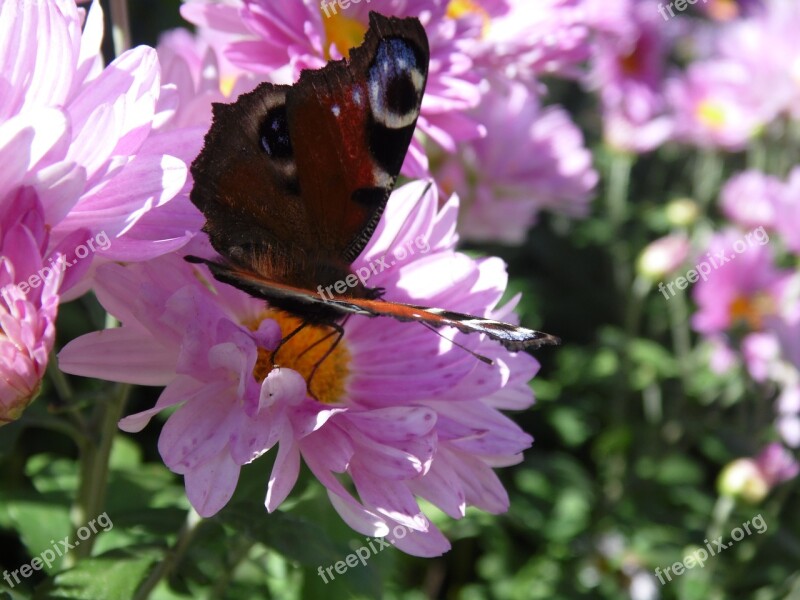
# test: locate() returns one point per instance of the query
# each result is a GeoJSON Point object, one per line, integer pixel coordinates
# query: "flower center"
{"type": "Point", "coordinates": [458, 8]}
{"type": "Point", "coordinates": [711, 114]}
{"type": "Point", "coordinates": [342, 31]}
{"type": "Point", "coordinates": [723, 10]}
{"type": "Point", "coordinates": [308, 351]}
{"type": "Point", "coordinates": [751, 310]}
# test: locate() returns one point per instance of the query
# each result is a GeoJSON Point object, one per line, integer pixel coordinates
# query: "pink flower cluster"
{"type": "Point", "coordinates": [398, 414]}
{"type": "Point", "coordinates": [80, 153]}
{"type": "Point", "coordinates": [753, 304]}
{"type": "Point", "coordinates": [728, 93]}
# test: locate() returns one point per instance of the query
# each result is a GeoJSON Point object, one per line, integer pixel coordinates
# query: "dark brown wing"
{"type": "Point", "coordinates": [293, 179]}
{"type": "Point", "coordinates": [351, 125]}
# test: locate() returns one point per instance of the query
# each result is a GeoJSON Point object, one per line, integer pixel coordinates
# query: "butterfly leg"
{"type": "Point", "coordinates": [337, 330]}
{"type": "Point", "coordinates": [286, 339]}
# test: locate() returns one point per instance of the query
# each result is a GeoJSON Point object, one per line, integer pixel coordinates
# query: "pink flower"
{"type": "Point", "coordinates": [283, 39]}
{"type": "Point", "coordinates": [787, 212]}
{"type": "Point", "coordinates": [510, 38]}
{"type": "Point", "coordinates": [30, 278]}
{"type": "Point", "coordinates": [728, 10]}
{"type": "Point", "coordinates": [715, 106]}
{"type": "Point", "coordinates": [532, 159]}
{"type": "Point", "coordinates": [403, 414]}
{"type": "Point", "coordinates": [754, 199]}
{"type": "Point", "coordinates": [82, 137]}
{"type": "Point", "coordinates": [199, 75]}
{"type": "Point", "coordinates": [750, 199]}
{"type": "Point", "coordinates": [628, 73]}
{"type": "Point", "coordinates": [743, 286]}
{"type": "Point", "coordinates": [772, 75]}
{"type": "Point", "coordinates": [752, 479]}
{"type": "Point", "coordinates": [663, 256]}
{"type": "Point", "coordinates": [777, 464]}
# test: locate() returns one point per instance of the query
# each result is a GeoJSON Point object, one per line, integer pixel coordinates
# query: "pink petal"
{"type": "Point", "coordinates": [284, 473]}
{"type": "Point", "coordinates": [210, 485]}
{"type": "Point", "coordinates": [199, 429]}
{"type": "Point", "coordinates": [180, 390]}
{"type": "Point", "coordinates": [29, 139]}
{"type": "Point", "coordinates": [39, 44]}
{"type": "Point", "coordinates": [122, 354]}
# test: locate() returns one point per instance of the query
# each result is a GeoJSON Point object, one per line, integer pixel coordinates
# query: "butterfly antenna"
{"type": "Point", "coordinates": [480, 357]}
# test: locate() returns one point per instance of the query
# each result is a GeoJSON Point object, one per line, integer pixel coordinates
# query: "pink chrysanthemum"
{"type": "Point", "coordinates": [532, 159]}
{"type": "Point", "coordinates": [200, 76]}
{"type": "Point", "coordinates": [742, 287]}
{"type": "Point", "coordinates": [754, 199]}
{"type": "Point", "coordinates": [749, 199]}
{"type": "Point", "coordinates": [279, 40]}
{"type": "Point", "coordinates": [787, 211]}
{"type": "Point", "coordinates": [403, 414]}
{"type": "Point", "coordinates": [525, 42]}
{"type": "Point", "coordinates": [30, 277]}
{"type": "Point", "coordinates": [83, 136]}
{"type": "Point", "coordinates": [714, 105]}
{"type": "Point", "coordinates": [628, 73]}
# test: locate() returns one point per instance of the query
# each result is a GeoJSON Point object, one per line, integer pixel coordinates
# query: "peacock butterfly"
{"type": "Point", "coordinates": [293, 179]}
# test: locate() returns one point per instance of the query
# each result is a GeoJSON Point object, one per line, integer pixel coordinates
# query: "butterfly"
{"type": "Point", "coordinates": [293, 179]}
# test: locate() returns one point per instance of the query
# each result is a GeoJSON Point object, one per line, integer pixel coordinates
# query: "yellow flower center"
{"type": "Point", "coordinates": [458, 8]}
{"type": "Point", "coordinates": [344, 32]}
{"type": "Point", "coordinates": [306, 351]}
{"type": "Point", "coordinates": [226, 84]}
{"type": "Point", "coordinates": [711, 114]}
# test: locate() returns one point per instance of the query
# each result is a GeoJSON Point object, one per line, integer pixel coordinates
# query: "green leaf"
{"type": "Point", "coordinates": [112, 576]}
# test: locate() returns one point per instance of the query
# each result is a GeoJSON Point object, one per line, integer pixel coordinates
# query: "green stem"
{"type": "Point", "coordinates": [173, 557]}
{"type": "Point", "coordinates": [619, 174]}
{"type": "Point", "coordinates": [719, 517]}
{"type": "Point", "coordinates": [681, 338]}
{"type": "Point", "coordinates": [707, 177]}
{"type": "Point", "coordinates": [95, 452]}
{"type": "Point", "coordinates": [240, 550]}
{"type": "Point", "coordinates": [60, 381]}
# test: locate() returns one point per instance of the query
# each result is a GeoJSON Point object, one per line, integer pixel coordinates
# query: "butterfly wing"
{"type": "Point", "coordinates": [351, 125]}
{"type": "Point", "coordinates": [293, 179]}
{"type": "Point", "coordinates": [316, 308]}
{"type": "Point", "coordinates": [512, 337]}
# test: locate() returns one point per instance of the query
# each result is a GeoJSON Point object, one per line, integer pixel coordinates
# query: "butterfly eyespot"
{"type": "Point", "coordinates": [395, 84]}
{"type": "Point", "coordinates": [275, 134]}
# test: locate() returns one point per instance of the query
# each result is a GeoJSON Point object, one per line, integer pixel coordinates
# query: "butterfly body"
{"type": "Point", "coordinates": [293, 180]}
